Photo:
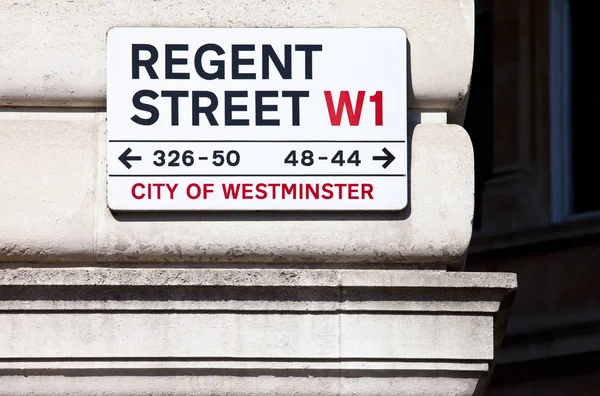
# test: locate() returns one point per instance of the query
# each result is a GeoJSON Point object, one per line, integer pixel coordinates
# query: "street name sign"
{"type": "Point", "coordinates": [256, 119]}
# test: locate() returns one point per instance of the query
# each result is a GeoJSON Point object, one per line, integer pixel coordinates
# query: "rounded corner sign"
{"type": "Point", "coordinates": [257, 119]}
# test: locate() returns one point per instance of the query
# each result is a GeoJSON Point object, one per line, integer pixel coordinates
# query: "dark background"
{"type": "Point", "coordinates": [537, 207]}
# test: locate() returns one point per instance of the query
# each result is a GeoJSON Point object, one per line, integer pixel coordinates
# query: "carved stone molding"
{"type": "Point", "coordinates": [97, 331]}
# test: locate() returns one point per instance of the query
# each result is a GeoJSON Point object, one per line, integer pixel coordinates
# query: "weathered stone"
{"type": "Point", "coordinates": [94, 331]}
{"type": "Point", "coordinates": [54, 208]}
{"type": "Point", "coordinates": [58, 51]}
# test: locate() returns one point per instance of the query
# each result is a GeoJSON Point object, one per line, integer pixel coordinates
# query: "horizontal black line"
{"type": "Point", "coordinates": [294, 175]}
{"type": "Point", "coordinates": [202, 158]}
{"type": "Point", "coordinates": [257, 141]}
{"type": "Point", "coordinates": [322, 158]}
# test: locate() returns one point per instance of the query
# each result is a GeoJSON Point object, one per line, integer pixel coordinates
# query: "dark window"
{"type": "Point", "coordinates": [585, 141]}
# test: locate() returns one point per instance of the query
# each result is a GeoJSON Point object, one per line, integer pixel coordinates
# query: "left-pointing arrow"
{"type": "Point", "coordinates": [125, 158]}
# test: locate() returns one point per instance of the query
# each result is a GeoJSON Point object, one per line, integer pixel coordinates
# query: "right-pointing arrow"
{"type": "Point", "coordinates": [388, 158]}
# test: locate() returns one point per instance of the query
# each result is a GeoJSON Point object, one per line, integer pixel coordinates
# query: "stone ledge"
{"type": "Point", "coordinates": [93, 331]}
{"type": "Point", "coordinates": [227, 289]}
{"type": "Point", "coordinates": [242, 384]}
{"type": "Point", "coordinates": [204, 366]}
{"type": "Point", "coordinates": [253, 277]}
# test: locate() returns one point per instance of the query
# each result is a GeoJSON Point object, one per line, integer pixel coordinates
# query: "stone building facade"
{"type": "Point", "coordinates": [536, 201]}
{"type": "Point", "coordinates": [94, 302]}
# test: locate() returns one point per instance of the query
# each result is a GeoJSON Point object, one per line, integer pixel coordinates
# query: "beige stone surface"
{"type": "Point", "coordinates": [264, 383]}
{"type": "Point", "coordinates": [125, 331]}
{"type": "Point", "coordinates": [54, 53]}
{"type": "Point", "coordinates": [54, 208]}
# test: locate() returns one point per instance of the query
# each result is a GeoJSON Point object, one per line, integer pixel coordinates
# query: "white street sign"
{"type": "Point", "coordinates": [257, 119]}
